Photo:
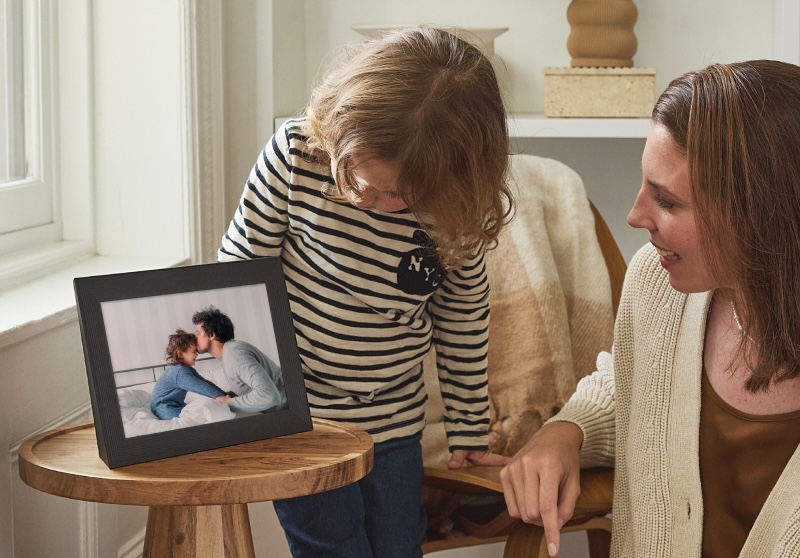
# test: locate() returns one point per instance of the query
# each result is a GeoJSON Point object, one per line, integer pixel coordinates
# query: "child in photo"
{"type": "Point", "coordinates": [167, 399]}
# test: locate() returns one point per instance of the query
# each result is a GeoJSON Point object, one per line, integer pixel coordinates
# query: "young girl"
{"type": "Point", "coordinates": [171, 387]}
{"type": "Point", "coordinates": [381, 202]}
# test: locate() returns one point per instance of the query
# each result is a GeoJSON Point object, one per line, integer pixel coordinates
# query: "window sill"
{"type": "Point", "coordinates": [49, 302]}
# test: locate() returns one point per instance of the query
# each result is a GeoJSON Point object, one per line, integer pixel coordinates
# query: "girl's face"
{"type": "Point", "coordinates": [189, 356]}
{"type": "Point", "coordinates": [664, 207]}
{"type": "Point", "coordinates": [374, 187]}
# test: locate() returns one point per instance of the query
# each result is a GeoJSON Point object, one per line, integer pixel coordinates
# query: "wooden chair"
{"type": "Point", "coordinates": [484, 519]}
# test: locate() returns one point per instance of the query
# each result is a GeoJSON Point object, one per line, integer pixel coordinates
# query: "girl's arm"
{"type": "Point", "coordinates": [261, 220]}
{"type": "Point", "coordinates": [460, 310]}
{"type": "Point", "coordinates": [190, 380]}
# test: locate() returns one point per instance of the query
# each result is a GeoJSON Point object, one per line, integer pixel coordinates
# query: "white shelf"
{"type": "Point", "coordinates": [540, 126]}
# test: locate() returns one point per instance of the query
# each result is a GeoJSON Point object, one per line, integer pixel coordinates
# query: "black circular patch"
{"type": "Point", "coordinates": [420, 271]}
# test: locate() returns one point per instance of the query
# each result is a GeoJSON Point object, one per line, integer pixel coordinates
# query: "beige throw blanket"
{"type": "Point", "coordinates": [550, 309]}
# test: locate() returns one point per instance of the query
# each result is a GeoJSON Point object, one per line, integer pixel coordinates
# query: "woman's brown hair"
{"type": "Point", "coordinates": [739, 125]}
{"type": "Point", "coordinates": [429, 102]}
{"type": "Point", "coordinates": [179, 341]}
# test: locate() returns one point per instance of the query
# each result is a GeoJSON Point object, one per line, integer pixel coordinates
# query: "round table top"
{"type": "Point", "coordinates": [66, 462]}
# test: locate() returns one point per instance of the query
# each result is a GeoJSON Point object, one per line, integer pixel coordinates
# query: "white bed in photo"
{"type": "Point", "coordinates": [138, 419]}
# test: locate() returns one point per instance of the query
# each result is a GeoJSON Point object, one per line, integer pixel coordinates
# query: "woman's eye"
{"type": "Point", "coordinates": [662, 203]}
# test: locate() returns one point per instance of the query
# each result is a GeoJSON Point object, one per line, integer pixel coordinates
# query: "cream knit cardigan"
{"type": "Point", "coordinates": [641, 413]}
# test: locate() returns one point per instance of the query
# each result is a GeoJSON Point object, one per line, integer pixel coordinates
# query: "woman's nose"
{"type": "Point", "coordinates": [637, 216]}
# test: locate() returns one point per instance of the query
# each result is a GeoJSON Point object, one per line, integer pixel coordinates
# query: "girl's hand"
{"type": "Point", "coordinates": [475, 457]}
{"type": "Point", "coordinates": [223, 398]}
{"type": "Point", "coordinates": [541, 483]}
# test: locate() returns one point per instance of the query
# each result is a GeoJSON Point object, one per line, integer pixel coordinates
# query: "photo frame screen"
{"type": "Point", "coordinates": [188, 359]}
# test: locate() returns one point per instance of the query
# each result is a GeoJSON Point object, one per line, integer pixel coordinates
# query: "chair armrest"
{"type": "Point", "coordinates": [597, 491]}
{"type": "Point", "coordinates": [477, 479]}
{"type": "Point", "coordinates": [597, 484]}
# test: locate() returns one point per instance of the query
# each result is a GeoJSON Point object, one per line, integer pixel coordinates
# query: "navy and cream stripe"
{"type": "Point", "coordinates": [361, 330]}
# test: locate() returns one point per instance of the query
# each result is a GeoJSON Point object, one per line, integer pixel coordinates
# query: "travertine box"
{"type": "Point", "coordinates": [599, 92]}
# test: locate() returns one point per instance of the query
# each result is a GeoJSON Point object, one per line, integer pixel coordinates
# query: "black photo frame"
{"type": "Point", "coordinates": [120, 313]}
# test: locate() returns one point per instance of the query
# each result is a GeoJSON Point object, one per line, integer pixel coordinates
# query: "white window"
{"type": "Point", "coordinates": [102, 136]}
{"type": "Point", "coordinates": [12, 149]}
{"type": "Point", "coordinates": [27, 208]}
{"type": "Point", "coordinates": [45, 122]}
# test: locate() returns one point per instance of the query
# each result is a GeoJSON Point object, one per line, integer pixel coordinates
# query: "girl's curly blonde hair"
{"type": "Point", "coordinates": [429, 102]}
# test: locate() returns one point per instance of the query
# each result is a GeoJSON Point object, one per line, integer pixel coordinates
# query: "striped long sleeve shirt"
{"type": "Point", "coordinates": [368, 300]}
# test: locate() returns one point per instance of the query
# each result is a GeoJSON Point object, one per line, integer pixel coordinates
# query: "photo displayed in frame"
{"type": "Point", "coordinates": [187, 359]}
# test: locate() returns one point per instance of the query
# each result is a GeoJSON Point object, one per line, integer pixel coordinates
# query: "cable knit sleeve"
{"type": "Point", "coordinates": [592, 408]}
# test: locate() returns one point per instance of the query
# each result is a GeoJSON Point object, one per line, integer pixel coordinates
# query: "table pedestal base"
{"type": "Point", "coordinates": [198, 532]}
{"type": "Point", "coordinates": [180, 490]}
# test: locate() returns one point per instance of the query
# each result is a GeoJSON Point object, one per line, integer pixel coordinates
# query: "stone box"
{"type": "Point", "coordinates": [599, 92]}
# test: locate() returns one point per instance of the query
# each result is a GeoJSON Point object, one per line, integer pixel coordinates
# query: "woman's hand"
{"type": "Point", "coordinates": [475, 457]}
{"type": "Point", "coordinates": [541, 483]}
{"type": "Point", "coordinates": [223, 398]}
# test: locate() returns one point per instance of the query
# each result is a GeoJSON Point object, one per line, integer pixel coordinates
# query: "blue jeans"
{"type": "Point", "coordinates": [380, 516]}
{"type": "Point", "coordinates": [167, 409]}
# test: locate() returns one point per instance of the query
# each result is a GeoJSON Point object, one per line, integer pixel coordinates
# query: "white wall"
{"type": "Point", "coordinates": [138, 128]}
{"type": "Point", "coordinates": [273, 51]}
{"type": "Point", "coordinates": [674, 37]}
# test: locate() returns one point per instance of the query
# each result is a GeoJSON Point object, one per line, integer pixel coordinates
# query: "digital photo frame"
{"type": "Point", "coordinates": [127, 321]}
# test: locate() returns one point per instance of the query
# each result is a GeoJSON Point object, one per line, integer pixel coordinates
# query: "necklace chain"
{"type": "Point", "coordinates": [738, 323]}
{"type": "Point", "coordinates": [736, 317]}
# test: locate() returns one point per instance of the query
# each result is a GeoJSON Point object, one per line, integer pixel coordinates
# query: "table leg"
{"type": "Point", "coordinates": [198, 532]}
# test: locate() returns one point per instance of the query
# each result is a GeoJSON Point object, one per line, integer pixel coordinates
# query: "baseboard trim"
{"type": "Point", "coordinates": [133, 547]}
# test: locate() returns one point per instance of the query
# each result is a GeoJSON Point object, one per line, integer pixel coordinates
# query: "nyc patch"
{"type": "Point", "coordinates": [420, 272]}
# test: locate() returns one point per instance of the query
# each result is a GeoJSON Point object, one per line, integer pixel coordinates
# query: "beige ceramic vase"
{"type": "Point", "coordinates": [601, 33]}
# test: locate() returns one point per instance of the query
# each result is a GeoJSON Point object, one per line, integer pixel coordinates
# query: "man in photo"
{"type": "Point", "coordinates": [256, 381]}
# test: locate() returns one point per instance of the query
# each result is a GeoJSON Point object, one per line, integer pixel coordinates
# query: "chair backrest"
{"type": "Point", "coordinates": [555, 277]}
{"type": "Point", "coordinates": [615, 262]}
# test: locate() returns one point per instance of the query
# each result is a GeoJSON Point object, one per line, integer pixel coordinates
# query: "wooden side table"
{"type": "Point", "coordinates": [198, 501]}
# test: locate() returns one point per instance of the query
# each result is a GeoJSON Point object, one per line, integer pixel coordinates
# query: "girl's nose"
{"type": "Point", "coordinates": [367, 198]}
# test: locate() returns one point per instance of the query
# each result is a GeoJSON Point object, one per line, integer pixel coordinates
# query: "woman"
{"type": "Point", "coordinates": [698, 409]}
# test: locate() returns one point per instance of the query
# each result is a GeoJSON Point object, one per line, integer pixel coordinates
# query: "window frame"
{"type": "Point", "coordinates": [80, 167]}
{"type": "Point", "coordinates": [12, 112]}
{"type": "Point", "coordinates": [30, 56]}
{"type": "Point", "coordinates": [61, 158]}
